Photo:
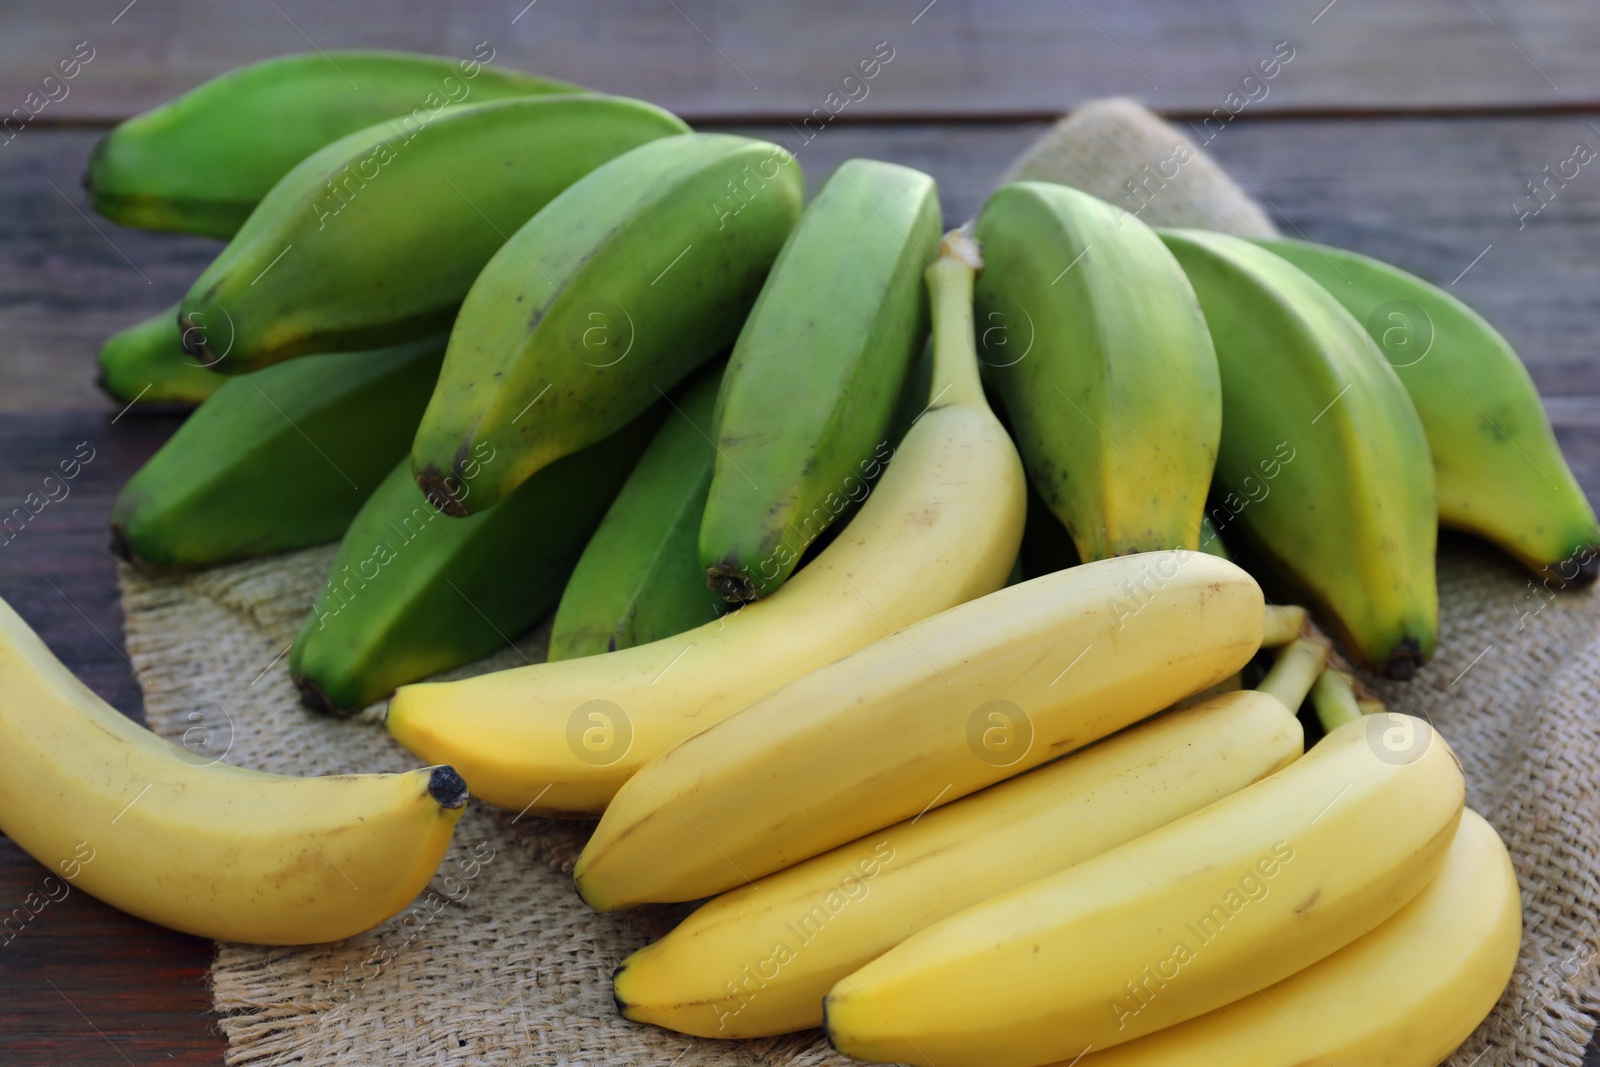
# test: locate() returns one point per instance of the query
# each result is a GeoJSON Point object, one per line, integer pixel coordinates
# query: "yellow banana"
{"type": "Point", "coordinates": [1198, 914]}
{"type": "Point", "coordinates": [942, 527]}
{"type": "Point", "coordinates": [1405, 995]}
{"type": "Point", "coordinates": [937, 711]}
{"type": "Point", "coordinates": [759, 959]}
{"type": "Point", "coordinates": [174, 836]}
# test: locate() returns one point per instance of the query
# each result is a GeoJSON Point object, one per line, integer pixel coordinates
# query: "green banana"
{"type": "Point", "coordinates": [202, 162]}
{"type": "Point", "coordinates": [412, 593]}
{"type": "Point", "coordinates": [275, 460]}
{"type": "Point", "coordinates": [1323, 463]}
{"type": "Point", "coordinates": [146, 364]}
{"type": "Point", "coordinates": [1500, 471]}
{"type": "Point", "coordinates": [845, 310]}
{"type": "Point", "coordinates": [1093, 338]}
{"type": "Point", "coordinates": [639, 579]}
{"type": "Point", "coordinates": [626, 282]}
{"type": "Point", "coordinates": [376, 238]}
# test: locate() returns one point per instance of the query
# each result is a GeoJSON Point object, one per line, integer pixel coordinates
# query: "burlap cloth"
{"type": "Point", "coordinates": [503, 964]}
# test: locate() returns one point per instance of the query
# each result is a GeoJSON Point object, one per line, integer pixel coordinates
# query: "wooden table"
{"type": "Point", "coordinates": [1407, 131]}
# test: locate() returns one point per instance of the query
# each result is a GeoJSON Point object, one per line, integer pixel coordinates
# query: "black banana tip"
{"type": "Point", "coordinates": [447, 787]}
{"type": "Point", "coordinates": [1578, 570]}
{"type": "Point", "coordinates": [827, 1024]}
{"type": "Point", "coordinates": [436, 487]}
{"type": "Point", "coordinates": [104, 385]}
{"type": "Point", "coordinates": [616, 998]}
{"type": "Point", "coordinates": [1404, 660]}
{"type": "Point", "coordinates": [315, 698]}
{"type": "Point", "coordinates": [731, 585]}
{"type": "Point", "coordinates": [97, 155]}
{"type": "Point", "coordinates": [193, 339]}
{"type": "Point", "coordinates": [121, 547]}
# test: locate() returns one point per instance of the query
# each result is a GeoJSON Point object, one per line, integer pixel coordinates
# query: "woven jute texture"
{"type": "Point", "coordinates": [500, 963]}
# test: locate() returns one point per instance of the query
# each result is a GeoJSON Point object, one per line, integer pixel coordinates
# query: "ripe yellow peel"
{"type": "Point", "coordinates": [945, 707]}
{"type": "Point", "coordinates": [758, 960]}
{"type": "Point", "coordinates": [1179, 922]}
{"type": "Point", "coordinates": [174, 837]}
{"type": "Point", "coordinates": [1405, 995]}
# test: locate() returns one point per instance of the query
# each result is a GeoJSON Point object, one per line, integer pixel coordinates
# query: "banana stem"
{"type": "Point", "coordinates": [1370, 705]}
{"type": "Point", "coordinates": [1285, 622]}
{"type": "Point", "coordinates": [1334, 699]}
{"type": "Point", "coordinates": [1294, 672]}
{"type": "Point", "coordinates": [955, 354]}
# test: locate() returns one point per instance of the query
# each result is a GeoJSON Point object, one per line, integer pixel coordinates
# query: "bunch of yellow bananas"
{"type": "Point", "coordinates": [544, 348]}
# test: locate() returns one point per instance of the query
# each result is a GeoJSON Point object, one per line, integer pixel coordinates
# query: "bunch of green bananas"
{"type": "Point", "coordinates": [967, 781]}
{"type": "Point", "coordinates": [1301, 388]}
{"type": "Point", "coordinates": [312, 373]}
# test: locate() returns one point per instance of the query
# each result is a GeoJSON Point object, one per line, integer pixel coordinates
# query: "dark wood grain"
{"type": "Point", "coordinates": [728, 59]}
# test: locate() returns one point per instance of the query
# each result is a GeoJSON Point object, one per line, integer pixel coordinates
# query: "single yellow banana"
{"type": "Point", "coordinates": [941, 528]}
{"type": "Point", "coordinates": [939, 710]}
{"type": "Point", "coordinates": [1405, 995]}
{"type": "Point", "coordinates": [172, 835]}
{"type": "Point", "coordinates": [759, 959]}
{"type": "Point", "coordinates": [1198, 914]}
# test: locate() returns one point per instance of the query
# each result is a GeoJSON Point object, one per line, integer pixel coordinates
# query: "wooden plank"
{"type": "Point", "coordinates": [725, 59]}
{"type": "Point", "coordinates": [81, 982]}
{"type": "Point", "coordinates": [1445, 199]}
{"type": "Point", "coordinates": [1427, 194]}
